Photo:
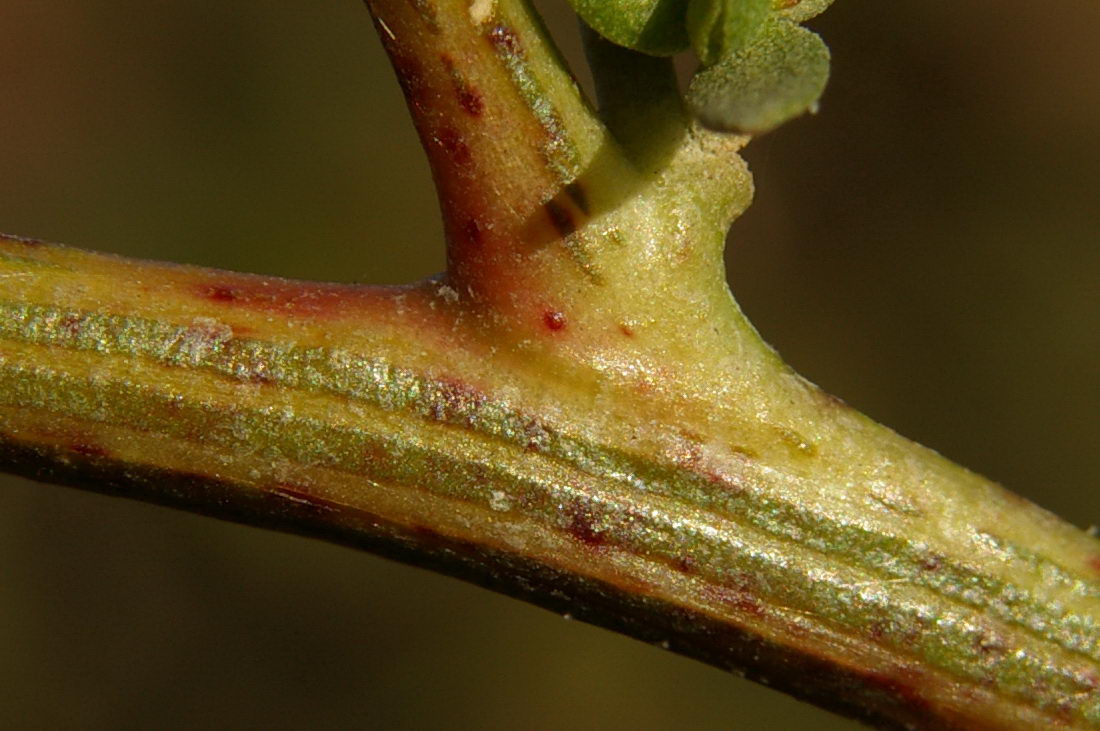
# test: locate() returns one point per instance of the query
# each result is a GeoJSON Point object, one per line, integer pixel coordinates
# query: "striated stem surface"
{"type": "Point", "coordinates": [810, 548]}
{"type": "Point", "coordinates": [575, 413]}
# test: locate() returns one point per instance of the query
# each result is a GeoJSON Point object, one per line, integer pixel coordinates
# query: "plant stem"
{"type": "Point", "coordinates": [576, 413]}
{"type": "Point", "coordinates": [640, 100]}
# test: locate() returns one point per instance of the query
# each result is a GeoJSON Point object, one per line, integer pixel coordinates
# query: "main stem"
{"type": "Point", "coordinates": [575, 413]}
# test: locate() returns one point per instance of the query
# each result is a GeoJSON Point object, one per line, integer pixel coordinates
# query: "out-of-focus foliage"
{"type": "Point", "coordinates": [721, 29]}
{"type": "Point", "coordinates": [650, 26]}
{"type": "Point", "coordinates": [759, 68]}
{"type": "Point", "coordinates": [777, 76]}
{"type": "Point", "coordinates": [800, 10]}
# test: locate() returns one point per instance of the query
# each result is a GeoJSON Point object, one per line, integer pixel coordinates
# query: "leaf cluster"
{"type": "Point", "coordinates": [758, 66]}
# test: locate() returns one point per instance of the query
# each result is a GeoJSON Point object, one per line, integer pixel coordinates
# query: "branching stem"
{"type": "Point", "coordinates": [575, 413]}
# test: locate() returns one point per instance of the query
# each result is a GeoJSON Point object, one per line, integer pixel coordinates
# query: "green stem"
{"type": "Point", "coordinates": [577, 414]}
{"type": "Point", "coordinates": [639, 100]}
{"type": "Point", "coordinates": [782, 544]}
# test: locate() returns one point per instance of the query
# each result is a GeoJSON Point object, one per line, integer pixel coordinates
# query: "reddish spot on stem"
{"type": "Point", "coordinates": [468, 97]}
{"type": "Point", "coordinates": [281, 296]}
{"type": "Point", "coordinates": [990, 645]}
{"type": "Point", "coordinates": [473, 232]}
{"type": "Point", "coordinates": [71, 325]}
{"type": "Point", "coordinates": [88, 450]}
{"type": "Point", "coordinates": [554, 320]}
{"type": "Point", "coordinates": [737, 597]}
{"type": "Point", "coordinates": [536, 434]}
{"type": "Point", "coordinates": [470, 101]}
{"type": "Point", "coordinates": [504, 39]}
{"type": "Point", "coordinates": [931, 563]}
{"type": "Point", "coordinates": [582, 528]}
{"type": "Point", "coordinates": [712, 465]}
{"type": "Point", "coordinates": [431, 534]}
{"type": "Point", "coordinates": [456, 148]}
{"type": "Point", "coordinates": [456, 402]}
{"type": "Point", "coordinates": [747, 604]}
{"type": "Point", "coordinates": [222, 294]}
{"type": "Point", "coordinates": [375, 454]}
{"type": "Point", "coordinates": [685, 564]}
{"type": "Point", "coordinates": [1094, 564]}
{"type": "Point", "coordinates": [259, 376]}
{"type": "Point", "coordinates": [626, 330]}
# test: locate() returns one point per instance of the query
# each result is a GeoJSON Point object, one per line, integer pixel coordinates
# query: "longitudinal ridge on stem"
{"type": "Point", "coordinates": [576, 412]}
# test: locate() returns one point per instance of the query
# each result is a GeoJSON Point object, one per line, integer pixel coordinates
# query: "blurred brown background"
{"type": "Point", "coordinates": [926, 248]}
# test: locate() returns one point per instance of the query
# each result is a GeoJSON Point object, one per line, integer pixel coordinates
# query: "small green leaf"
{"type": "Point", "coordinates": [778, 76]}
{"type": "Point", "coordinates": [655, 27]}
{"type": "Point", "coordinates": [800, 10]}
{"type": "Point", "coordinates": [718, 28]}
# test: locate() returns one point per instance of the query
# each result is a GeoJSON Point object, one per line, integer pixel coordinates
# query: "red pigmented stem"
{"type": "Point", "coordinates": [555, 321]}
{"type": "Point", "coordinates": [505, 128]}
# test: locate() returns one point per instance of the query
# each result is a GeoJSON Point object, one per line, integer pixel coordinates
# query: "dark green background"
{"type": "Point", "coordinates": [926, 248]}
